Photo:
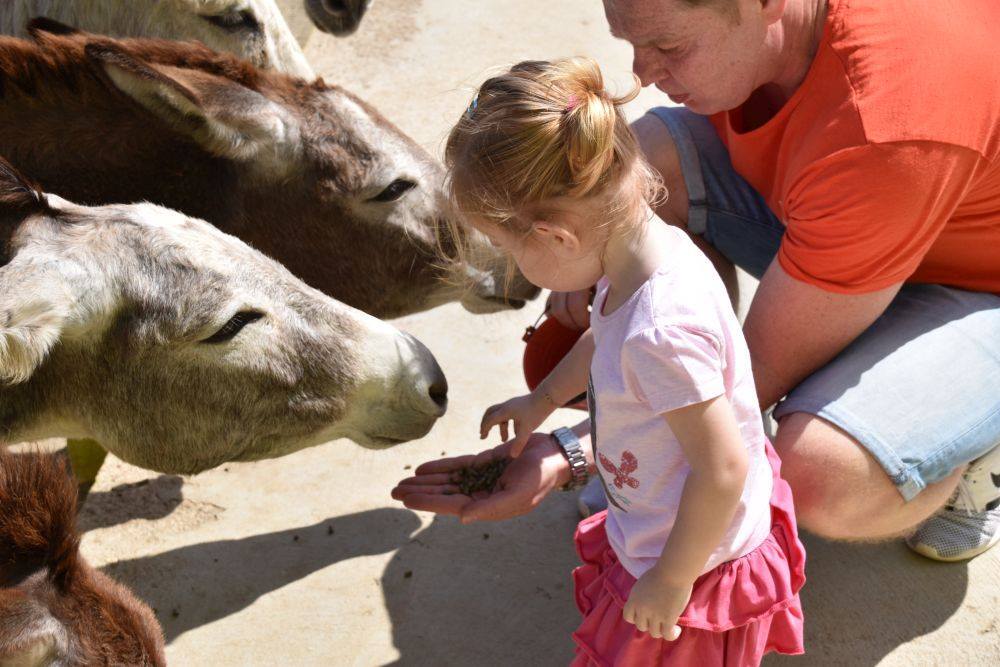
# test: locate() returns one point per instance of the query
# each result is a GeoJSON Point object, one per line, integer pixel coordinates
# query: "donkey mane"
{"type": "Point", "coordinates": [19, 198]}
{"type": "Point", "coordinates": [60, 54]}
{"type": "Point", "coordinates": [17, 193]}
{"type": "Point", "coordinates": [38, 518]}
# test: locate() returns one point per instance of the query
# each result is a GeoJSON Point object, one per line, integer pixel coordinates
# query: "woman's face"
{"type": "Point", "coordinates": [707, 58]}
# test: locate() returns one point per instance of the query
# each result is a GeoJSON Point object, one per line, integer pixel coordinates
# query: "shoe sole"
{"type": "Point", "coordinates": [928, 552]}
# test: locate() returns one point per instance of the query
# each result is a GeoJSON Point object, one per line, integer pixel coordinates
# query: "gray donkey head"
{"type": "Point", "coordinates": [179, 347]}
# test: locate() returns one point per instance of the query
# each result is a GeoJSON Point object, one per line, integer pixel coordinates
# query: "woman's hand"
{"type": "Point", "coordinates": [654, 605]}
{"type": "Point", "coordinates": [526, 412]}
{"type": "Point", "coordinates": [571, 309]}
{"type": "Point", "coordinates": [522, 486]}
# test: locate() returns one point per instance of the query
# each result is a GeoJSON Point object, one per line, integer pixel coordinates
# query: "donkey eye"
{"type": "Point", "coordinates": [235, 21]}
{"type": "Point", "coordinates": [395, 190]}
{"type": "Point", "coordinates": [234, 326]}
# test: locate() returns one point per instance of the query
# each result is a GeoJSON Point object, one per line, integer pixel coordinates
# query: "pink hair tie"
{"type": "Point", "coordinates": [571, 103]}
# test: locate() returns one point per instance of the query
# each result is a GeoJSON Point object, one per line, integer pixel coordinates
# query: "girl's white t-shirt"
{"type": "Point", "coordinates": [673, 343]}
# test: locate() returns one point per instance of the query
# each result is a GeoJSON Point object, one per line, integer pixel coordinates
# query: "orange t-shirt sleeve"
{"type": "Point", "coordinates": [863, 218]}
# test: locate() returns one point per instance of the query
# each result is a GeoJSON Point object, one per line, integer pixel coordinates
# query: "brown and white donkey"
{"type": "Point", "coordinates": [304, 171]}
{"type": "Point", "coordinates": [55, 609]}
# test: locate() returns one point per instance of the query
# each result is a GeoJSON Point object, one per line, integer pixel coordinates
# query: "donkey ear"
{"type": "Point", "coordinates": [41, 24]}
{"type": "Point", "coordinates": [227, 119]}
{"type": "Point", "coordinates": [30, 326]}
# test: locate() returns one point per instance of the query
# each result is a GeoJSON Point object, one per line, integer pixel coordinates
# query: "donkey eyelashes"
{"type": "Point", "coordinates": [394, 190]}
{"type": "Point", "coordinates": [235, 21]}
{"type": "Point", "coordinates": [234, 326]}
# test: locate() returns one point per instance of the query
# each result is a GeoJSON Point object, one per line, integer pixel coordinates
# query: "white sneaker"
{"type": "Point", "coordinates": [980, 485]}
{"type": "Point", "coordinates": [970, 523]}
{"type": "Point", "coordinates": [953, 534]}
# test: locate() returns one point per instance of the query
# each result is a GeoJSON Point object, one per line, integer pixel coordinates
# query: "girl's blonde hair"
{"type": "Point", "coordinates": [543, 130]}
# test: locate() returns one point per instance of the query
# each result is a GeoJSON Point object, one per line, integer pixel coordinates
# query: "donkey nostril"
{"type": "Point", "coordinates": [336, 7]}
{"type": "Point", "coordinates": [429, 372]}
{"type": "Point", "coordinates": [439, 393]}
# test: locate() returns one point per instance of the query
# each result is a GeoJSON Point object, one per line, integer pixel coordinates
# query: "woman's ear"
{"type": "Point", "coordinates": [558, 238]}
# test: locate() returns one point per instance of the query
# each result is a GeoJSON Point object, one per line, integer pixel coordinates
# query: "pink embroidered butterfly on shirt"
{"type": "Point", "coordinates": [629, 464]}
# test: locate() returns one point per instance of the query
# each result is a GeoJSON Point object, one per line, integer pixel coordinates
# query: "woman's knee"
{"type": "Point", "coordinates": [839, 489]}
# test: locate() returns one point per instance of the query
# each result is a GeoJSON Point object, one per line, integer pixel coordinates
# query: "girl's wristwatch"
{"type": "Point", "coordinates": [573, 451]}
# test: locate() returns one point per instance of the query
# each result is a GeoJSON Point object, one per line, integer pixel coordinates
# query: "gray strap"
{"type": "Point", "coordinates": [687, 152]}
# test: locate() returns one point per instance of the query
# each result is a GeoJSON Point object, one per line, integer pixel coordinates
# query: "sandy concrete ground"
{"type": "Point", "coordinates": [306, 560]}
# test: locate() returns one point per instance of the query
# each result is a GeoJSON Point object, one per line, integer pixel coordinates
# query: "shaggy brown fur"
{"type": "Point", "coordinates": [63, 48]}
{"type": "Point", "coordinates": [37, 524]}
{"type": "Point", "coordinates": [53, 605]}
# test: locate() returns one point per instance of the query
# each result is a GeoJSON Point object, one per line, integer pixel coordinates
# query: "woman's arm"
{"type": "Point", "coordinates": [794, 328]}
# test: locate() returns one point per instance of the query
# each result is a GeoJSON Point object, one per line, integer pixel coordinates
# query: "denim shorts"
{"type": "Point", "coordinates": [920, 389]}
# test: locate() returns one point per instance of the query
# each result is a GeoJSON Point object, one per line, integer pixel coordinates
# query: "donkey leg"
{"type": "Point", "coordinates": [85, 458]}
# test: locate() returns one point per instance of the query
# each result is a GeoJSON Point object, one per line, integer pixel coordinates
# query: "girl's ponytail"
{"type": "Point", "coordinates": [591, 123]}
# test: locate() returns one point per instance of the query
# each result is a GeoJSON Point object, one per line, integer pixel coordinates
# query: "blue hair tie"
{"type": "Point", "coordinates": [472, 107]}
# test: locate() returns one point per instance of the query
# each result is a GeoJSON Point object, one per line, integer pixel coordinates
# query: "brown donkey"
{"type": "Point", "coordinates": [55, 609]}
{"type": "Point", "coordinates": [305, 172]}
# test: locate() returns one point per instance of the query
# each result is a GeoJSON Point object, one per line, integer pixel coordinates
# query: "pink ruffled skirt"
{"type": "Point", "coordinates": [738, 612]}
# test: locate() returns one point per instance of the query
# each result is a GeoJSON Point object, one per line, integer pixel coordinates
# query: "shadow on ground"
{"type": "Point", "coordinates": [148, 499]}
{"type": "Point", "coordinates": [489, 593]}
{"type": "Point", "coordinates": [205, 582]}
{"type": "Point", "coordinates": [863, 601]}
{"type": "Point", "coordinates": [501, 592]}
{"type": "Point", "coordinates": [507, 599]}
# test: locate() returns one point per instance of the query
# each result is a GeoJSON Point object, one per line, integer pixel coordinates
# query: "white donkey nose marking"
{"type": "Point", "coordinates": [485, 283]}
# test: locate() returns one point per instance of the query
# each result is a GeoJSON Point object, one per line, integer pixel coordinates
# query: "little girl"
{"type": "Point", "coordinates": [696, 561]}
